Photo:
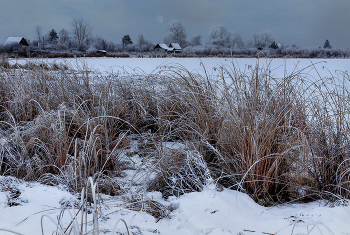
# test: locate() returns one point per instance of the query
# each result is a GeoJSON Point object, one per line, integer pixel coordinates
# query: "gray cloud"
{"type": "Point", "coordinates": [301, 22]}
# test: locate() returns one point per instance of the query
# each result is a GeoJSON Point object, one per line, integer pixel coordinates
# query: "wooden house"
{"type": "Point", "coordinates": [161, 47]}
{"type": "Point", "coordinates": [175, 47]}
{"type": "Point", "coordinates": [15, 41]}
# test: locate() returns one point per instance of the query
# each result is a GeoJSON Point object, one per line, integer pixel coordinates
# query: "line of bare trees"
{"type": "Point", "coordinates": [221, 42]}
{"type": "Point", "coordinates": [82, 39]}
{"type": "Point", "coordinates": [81, 31]}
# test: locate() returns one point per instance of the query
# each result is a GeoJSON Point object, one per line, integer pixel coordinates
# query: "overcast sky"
{"type": "Point", "coordinates": [306, 23]}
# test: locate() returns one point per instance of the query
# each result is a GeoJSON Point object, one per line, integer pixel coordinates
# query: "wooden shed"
{"type": "Point", "coordinates": [14, 41]}
{"type": "Point", "coordinates": [175, 47]}
{"type": "Point", "coordinates": [161, 47]}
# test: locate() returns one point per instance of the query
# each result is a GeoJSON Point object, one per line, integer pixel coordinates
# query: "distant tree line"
{"type": "Point", "coordinates": [222, 42]}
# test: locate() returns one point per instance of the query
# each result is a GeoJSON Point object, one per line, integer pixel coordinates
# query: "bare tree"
{"type": "Point", "coordinates": [38, 31]}
{"type": "Point", "coordinates": [262, 39]}
{"type": "Point", "coordinates": [167, 39]}
{"type": "Point", "coordinates": [235, 40]}
{"type": "Point", "coordinates": [219, 35]}
{"type": "Point", "coordinates": [144, 44]}
{"type": "Point", "coordinates": [63, 36]}
{"type": "Point", "coordinates": [81, 31]}
{"type": "Point", "coordinates": [196, 40]}
{"type": "Point", "coordinates": [102, 44]}
{"type": "Point", "coordinates": [177, 33]}
{"type": "Point", "coordinates": [141, 40]}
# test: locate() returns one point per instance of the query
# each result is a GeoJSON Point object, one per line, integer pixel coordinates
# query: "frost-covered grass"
{"type": "Point", "coordinates": [277, 138]}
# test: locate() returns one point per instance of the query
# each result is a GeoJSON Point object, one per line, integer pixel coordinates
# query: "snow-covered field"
{"type": "Point", "coordinates": [279, 67]}
{"type": "Point", "coordinates": [23, 205]}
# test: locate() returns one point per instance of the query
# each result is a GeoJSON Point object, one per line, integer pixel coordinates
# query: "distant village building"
{"type": "Point", "coordinates": [101, 52]}
{"type": "Point", "coordinates": [15, 41]}
{"type": "Point", "coordinates": [161, 47]}
{"type": "Point", "coordinates": [93, 50]}
{"type": "Point", "coordinates": [173, 47]}
{"type": "Point", "coordinates": [17, 45]}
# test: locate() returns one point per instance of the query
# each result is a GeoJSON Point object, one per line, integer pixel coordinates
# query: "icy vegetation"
{"type": "Point", "coordinates": [225, 149]}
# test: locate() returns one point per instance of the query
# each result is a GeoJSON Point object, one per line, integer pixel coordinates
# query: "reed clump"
{"type": "Point", "coordinates": [279, 139]}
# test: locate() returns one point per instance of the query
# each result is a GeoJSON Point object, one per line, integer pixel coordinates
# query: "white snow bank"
{"type": "Point", "coordinates": [34, 200]}
{"type": "Point", "coordinates": [232, 212]}
{"type": "Point", "coordinates": [206, 212]}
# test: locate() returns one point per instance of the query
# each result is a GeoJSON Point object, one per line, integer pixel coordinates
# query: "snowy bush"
{"type": "Point", "coordinates": [179, 171]}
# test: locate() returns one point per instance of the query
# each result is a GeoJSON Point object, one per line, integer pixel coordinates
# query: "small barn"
{"type": "Point", "coordinates": [161, 47]}
{"type": "Point", "coordinates": [175, 47]}
{"type": "Point", "coordinates": [14, 41]}
{"type": "Point", "coordinates": [101, 52]}
{"type": "Point", "coordinates": [94, 50]}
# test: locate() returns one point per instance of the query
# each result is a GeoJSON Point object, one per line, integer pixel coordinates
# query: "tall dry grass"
{"type": "Point", "coordinates": [279, 139]}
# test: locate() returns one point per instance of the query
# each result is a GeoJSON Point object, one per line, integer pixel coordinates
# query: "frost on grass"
{"type": "Point", "coordinates": [10, 186]}
{"type": "Point", "coordinates": [278, 139]}
{"type": "Point", "coordinates": [180, 171]}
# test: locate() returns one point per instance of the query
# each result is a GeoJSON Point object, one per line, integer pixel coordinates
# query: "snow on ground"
{"type": "Point", "coordinates": [22, 205]}
{"type": "Point", "coordinates": [206, 212]}
{"type": "Point", "coordinates": [278, 66]}
{"type": "Point", "coordinates": [311, 69]}
{"type": "Point", "coordinates": [20, 202]}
